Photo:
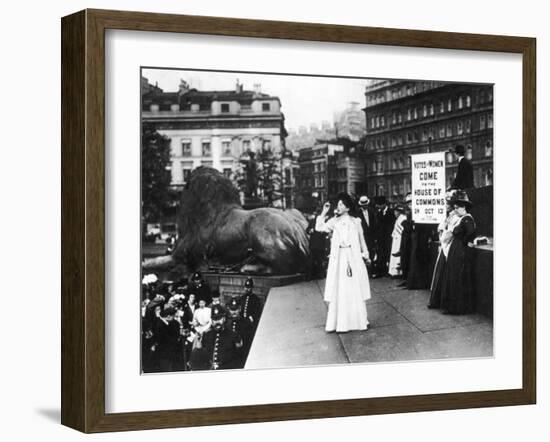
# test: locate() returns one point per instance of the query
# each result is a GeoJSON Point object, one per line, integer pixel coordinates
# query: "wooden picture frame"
{"type": "Point", "coordinates": [83, 220]}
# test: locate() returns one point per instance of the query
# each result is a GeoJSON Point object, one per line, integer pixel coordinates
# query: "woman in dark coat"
{"type": "Point", "coordinates": [456, 289]}
{"type": "Point", "coordinates": [445, 233]}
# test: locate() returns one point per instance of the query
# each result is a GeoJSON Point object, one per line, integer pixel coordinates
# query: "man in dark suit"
{"type": "Point", "coordinates": [385, 221]}
{"type": "Point", "coordinates": [368, 220]}
{"type": "Point", "coordinates": [167, 338]}
{"type": "Point", "coordinates": [464, 178]}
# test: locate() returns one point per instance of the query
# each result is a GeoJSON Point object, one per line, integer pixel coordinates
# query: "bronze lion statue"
{"type": "Point", "coordinates": [214, 229]}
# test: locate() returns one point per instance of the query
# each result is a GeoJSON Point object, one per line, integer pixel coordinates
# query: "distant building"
{"type": "Point", "coordinates": [305, 137]}
{"type": "Point", "coordinates": [406, 117]}
{"type": "Point", "coordinates": [350, 123]}
{"type": "Point", "coordinates": [213, 128]}
{"type": "Point", "coordinates": [346, 173]}
{"type": "Point", "coordinates": [330, 167]}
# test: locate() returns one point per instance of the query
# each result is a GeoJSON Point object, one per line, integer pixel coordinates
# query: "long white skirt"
{"type": "Point", "coordinates": [347, 309]}
{"type": "Point", "coordinates": [395, 261]}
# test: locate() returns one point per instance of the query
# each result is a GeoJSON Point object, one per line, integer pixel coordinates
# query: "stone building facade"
{"type": "Point", "coordinates": [407, 117]}
{"type": "Point", "coordinates": [213, 128]}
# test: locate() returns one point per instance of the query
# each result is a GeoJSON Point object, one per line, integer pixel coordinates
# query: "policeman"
{"type": "Point", "coordinates": [240, 326]}
{"type": "Point", "coordinates": [251, 306]}
{"type": "Point", "coordinates": [200, 288]}
{"type": "Point", "coordinates": [220, 348]}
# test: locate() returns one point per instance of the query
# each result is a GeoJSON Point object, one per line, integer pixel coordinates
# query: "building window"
{"type": "Point", "coordinates": [372, 123]}
{"type": "Point", "coordinates": [432, 110]}
{"type": "Point", "coordinates": [266, 107]}
{"type": "Point", "coordinates": [393, 142]}
{"type": "Point", "coordinates": [449, 105]}
{"type": "Point", "coordinates": [409, 115]}
{"type": "Point", "coordinates": [482, 97]}
{"type": "Point", "coordinates": [394, 163]}
{"type": "Point", "coordinates": [468, 101]}
{"type": "Point", "coordinates": [400, 140]}
{"type": "Point", "coordinates": [266, 145]}
{"type": "Point", "coordinates": [449, 130]}
{"type": "Point", "coordinates": [186, 174]}
{"type": "Point", "coordinates": [425, 110]}
{"type": "Point", "coordinates": [246, 145]}
{"type": "Point", "coordinates": [226, 147]}
{"type": "Point", "coordinates": [225, 107]}
{"type": "Point", "coordinates": [186, 148]}
{"type": "Point", "coordinates": [394, 118]}
{"type": "Point", "coordinates": [442, 131]}
{"type": "Point", "coordinates": [415, 113]}
{"type": "Point", "coordinates": [460, 103]}
{"type": "Point", "coordinates": [206, 148]}
{"type": "Point", "coordinates": [382, 121]}
{"type": "Point", "coordinates": [460, 128]}
{"type": "Point", "coordinates": [399, 118]}
{"type": "Point", "coordinates": [469, 152]}
{"type": "Point", "coordinates": [415, 136]}
{"type": "Point", "coordinates": [409, 137]}
{"type": "Point", "coordinates": [488, 149]}
{"type": "Point", "coordinates": [482, 122]}
{"type": "Point", "coordinates": [377, 121]}
{"type": "Point", "coordinates": [490, 121]}
{"type": "Point", "coordinates": [468, 126]}
{"type": "Point", "coordinates": [424, 135]}
{"type": "Point", "coordinates": [441, 107]}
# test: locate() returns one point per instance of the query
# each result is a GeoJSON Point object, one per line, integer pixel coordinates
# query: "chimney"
{"type": "Point", "coordinates": [257, 88]}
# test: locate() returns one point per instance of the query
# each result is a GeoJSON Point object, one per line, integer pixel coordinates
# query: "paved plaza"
{"type": "Point", "coordinates": [291, 332]}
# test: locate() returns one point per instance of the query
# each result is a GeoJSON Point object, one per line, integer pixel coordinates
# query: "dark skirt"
{"type": "Point", "coordinates": [457, 292]}
{"type": "Point", "coordinates": [437, 281]}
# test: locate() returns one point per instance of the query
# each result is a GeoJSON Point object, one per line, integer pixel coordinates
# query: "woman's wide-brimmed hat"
{"type": "Point", "coordinates": [461, 197]}
{"type": "Point", "coordinates": [364, 201]}
{"type": "Point", "coordinates": [450, 196]}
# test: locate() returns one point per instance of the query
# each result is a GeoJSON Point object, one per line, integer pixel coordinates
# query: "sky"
{"type": "Point", "coordinates": [304, 100]}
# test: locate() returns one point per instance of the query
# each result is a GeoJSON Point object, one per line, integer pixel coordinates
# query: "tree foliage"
{"type": "Point", "coordinates": [156, 195]}
{"type": "Point", "coordinates": [259, 176]}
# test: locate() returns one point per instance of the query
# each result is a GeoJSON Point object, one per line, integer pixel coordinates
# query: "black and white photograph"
{"type": "Point", "coordinates": [308, 220]}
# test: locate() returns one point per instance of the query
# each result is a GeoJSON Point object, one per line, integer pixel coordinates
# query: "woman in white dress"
{"type": "Point", "coordinates": [347, 284]}
{"type": "Point", "coordinates": [202, 318]}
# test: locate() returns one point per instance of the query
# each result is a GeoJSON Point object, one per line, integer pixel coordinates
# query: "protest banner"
{"type": "Point", "coordinates": [428, 188]}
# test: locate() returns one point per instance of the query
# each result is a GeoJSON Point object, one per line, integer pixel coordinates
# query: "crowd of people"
{"type": "Point", "coordinates": [363, 233]}
{"type": "Point", "coordinates": [187, 326]}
